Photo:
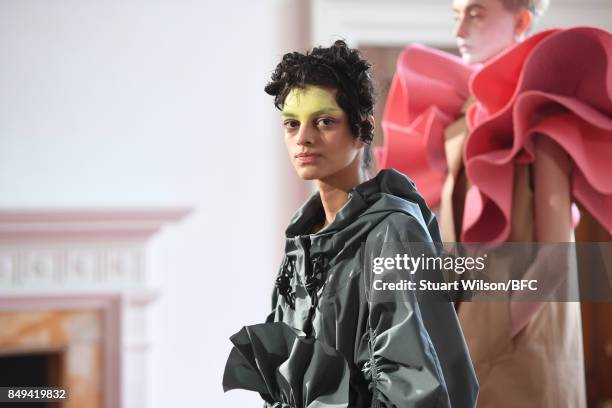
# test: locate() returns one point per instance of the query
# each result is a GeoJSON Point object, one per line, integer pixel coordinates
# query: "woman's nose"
{"type": "Point", "coordinates": [305, 136]}
{"type": "Point", "coordinates": [461, 27]}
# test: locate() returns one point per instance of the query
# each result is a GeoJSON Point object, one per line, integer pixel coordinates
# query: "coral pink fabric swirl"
{"type": "Point", "coordinates": [427, 93]}
{"type": "Point", "coordinates": [557, 83]}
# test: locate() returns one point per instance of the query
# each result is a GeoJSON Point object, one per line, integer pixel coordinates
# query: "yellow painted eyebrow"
{"type": "Point", "coordinates": [289, 114]}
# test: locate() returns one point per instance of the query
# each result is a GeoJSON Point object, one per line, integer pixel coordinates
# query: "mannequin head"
{"type": "Point", "coordinates": [485, 28]}
{"type": "Point", "coordinates": [326, 98]}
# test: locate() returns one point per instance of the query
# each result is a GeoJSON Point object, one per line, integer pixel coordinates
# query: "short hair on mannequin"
{"type": "Point", "coordinates": [338, 67]}
{"type": "Point", "coordinates": [536, 7]}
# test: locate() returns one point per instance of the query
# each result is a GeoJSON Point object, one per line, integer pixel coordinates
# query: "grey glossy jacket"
{"type": "Point", "coordinates": [328, 342]}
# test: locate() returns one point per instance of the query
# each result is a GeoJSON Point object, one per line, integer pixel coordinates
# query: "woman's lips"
{"type": "Point", "coordinates": [306, 158]}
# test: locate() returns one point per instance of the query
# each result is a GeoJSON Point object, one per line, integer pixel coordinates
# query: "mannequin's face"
{"type": "Point", "coordinates": [484, 28]}
{"type": "Point", "coordinates": [317, 134]}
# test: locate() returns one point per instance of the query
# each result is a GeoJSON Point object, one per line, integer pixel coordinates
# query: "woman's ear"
{"type": "Point", "coordinates": [360, 142]}
{"type": "Point", "coordinates": [524, 19]}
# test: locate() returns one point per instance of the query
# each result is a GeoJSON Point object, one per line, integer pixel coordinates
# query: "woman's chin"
{"type": "Point", "coordinates": [308, 174]}
{"type": "Point", "coordinates": [307, 171]}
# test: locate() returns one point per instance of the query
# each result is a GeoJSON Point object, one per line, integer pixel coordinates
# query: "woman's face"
{"type": "Point", "coordinates": [484, 28]}
{"type": "Point", "coordinates": [317, 133]}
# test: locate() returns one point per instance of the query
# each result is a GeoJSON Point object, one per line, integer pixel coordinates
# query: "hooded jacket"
{"type": "Point", "coordinates": [331, 341]}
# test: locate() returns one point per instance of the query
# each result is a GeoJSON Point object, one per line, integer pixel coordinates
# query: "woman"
{"type": "Point", "coordinates": [331, 340]}
{"type": "Point", "coordinates": [536, 136]}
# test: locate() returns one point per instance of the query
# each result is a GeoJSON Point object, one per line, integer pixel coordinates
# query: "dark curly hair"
{"type": "Point", "coordinates": [338, 67]}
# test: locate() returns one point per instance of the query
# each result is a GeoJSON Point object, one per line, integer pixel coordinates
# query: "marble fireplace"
{"type": "Point", "coordinates": [73, 297]}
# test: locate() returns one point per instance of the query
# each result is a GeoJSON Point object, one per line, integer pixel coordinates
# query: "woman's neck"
{"type": "Point", "coordinates": [334, 190]}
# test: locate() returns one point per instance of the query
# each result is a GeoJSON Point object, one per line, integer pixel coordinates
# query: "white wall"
{"type": "Point", "coordinates": [159, 103]}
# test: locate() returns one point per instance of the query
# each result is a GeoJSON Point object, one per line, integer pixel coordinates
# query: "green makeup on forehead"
{"type": "Point", "coordinates": [303, 103]}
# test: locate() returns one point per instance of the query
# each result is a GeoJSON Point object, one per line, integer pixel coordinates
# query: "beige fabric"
{"type": "Point", "coordinates": [543, 366]}
{"type": "Point", "coordinates": [455, 184]}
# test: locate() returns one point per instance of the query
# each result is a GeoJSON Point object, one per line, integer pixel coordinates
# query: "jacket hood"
{"type": "Point", "coordinates": [390, 191]}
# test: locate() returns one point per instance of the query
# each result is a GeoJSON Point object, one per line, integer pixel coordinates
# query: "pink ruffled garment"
{"type": "Point", "coordinates": [557, 83]}
{"type": "Point", "coordinates": [427, 93]}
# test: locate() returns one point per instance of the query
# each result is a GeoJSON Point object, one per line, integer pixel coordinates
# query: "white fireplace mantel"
{"type": "Point", "coordinates": [88, 259]}
{"type": "Point", "coordinates": [71, 251]}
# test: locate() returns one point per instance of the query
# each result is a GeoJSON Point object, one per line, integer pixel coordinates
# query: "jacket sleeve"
{"type": "Point", "coordinates": [395, 353]}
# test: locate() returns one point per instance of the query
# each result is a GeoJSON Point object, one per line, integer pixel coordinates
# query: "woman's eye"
{"type": "Point", "coordinates": [325, 122]}
{"type": "Point", "coordinates": [291, 124]}
{"type": "Point", "coordinates": [474, 15]}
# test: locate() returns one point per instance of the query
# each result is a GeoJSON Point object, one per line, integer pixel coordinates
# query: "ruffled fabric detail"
{"type": "Point", "coordinates": [557, 83]}
{"type": "Point", "coordinates": [283, 281]}
{"type": "Point", "coordinates": [288, 369]}
{"type": "Point", "coordinates": [427, 93]}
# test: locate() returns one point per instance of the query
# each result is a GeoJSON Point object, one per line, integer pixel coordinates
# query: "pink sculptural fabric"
{"type": "Point", "coordinates": [427, 93]}
{"type": "Point", "coordinates": [557, 83]}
